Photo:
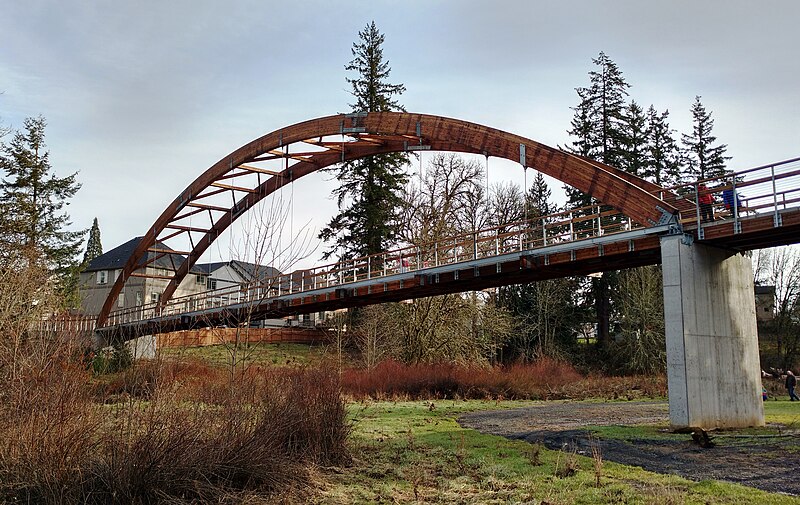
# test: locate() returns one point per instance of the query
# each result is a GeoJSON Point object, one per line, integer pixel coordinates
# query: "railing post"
{"type": "Point", "coordinates": [598, 221]}
{"type": "Point", "coordinates": [735, 205]}
{"type": "Point", "coordinates": [776, 218]}
{"type": "Point", "coordinates": [544, 234]}
{"type": "Point", "coordinates": [697, 205]}
{"type": "Point", "coordinates": [474, 245]}
{"type": "Point", "coordinates": [384, 264]}
{"type": "Point", "coordinates": [497, 242]}
{"type": "Point", "coordinates": [571, 228]}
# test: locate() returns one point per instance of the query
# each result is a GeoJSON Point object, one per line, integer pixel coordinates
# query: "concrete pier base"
{"type": "Point", "coordinates": [713, 367]}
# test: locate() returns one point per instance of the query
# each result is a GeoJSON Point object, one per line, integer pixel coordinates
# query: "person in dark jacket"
{"type": "Point", "coordinates": [791, 382]}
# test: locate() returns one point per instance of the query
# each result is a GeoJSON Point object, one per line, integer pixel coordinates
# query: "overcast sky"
{"type": "Point", "coordinates": [141, 97]}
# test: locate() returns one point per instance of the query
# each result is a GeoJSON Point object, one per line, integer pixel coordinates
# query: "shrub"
{"type": "Point", "coordinates": [543, 379]}
{"type": "Point", "coordinates": [258, 436]}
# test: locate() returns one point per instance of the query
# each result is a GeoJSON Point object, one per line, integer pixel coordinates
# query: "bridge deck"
{"type": "Point", "coordinates": [621, 250]}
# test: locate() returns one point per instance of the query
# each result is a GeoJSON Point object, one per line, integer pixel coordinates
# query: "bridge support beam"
{"type": "Point", "coordinates": [713, 367]}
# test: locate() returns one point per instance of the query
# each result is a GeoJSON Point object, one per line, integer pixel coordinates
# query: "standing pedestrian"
{"type": "Point", "coordinates": [706, 201]}
{"type": "Point", "coordinates": [791, 382]}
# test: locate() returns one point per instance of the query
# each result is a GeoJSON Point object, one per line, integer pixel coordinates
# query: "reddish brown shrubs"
{"type": "Point", "coordinates": [543, 379]}
{"type": "Point", "coordinates": [157, 442]}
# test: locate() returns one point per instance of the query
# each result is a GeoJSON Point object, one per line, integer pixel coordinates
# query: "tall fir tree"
{"type": "Point", "coordinates": [663, 161]}
{"type": "Point", "coordinates": [702, 158]}
{"type": "Point", "coordinates": [370, 189]}
{"type": "Point", "coordinates": [598, 126]}
{"type": "Point", "coordinates": [32, 200]}
{"type": "Point", "coordinates": [633, 140]}
{"type": "Point", "coordinates": [93, 246]}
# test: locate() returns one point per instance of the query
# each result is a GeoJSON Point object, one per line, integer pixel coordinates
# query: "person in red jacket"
{"type": "Point", "coordinates": [706, 201]}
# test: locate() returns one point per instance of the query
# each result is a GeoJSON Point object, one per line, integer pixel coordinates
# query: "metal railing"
{"type": "Point", "coordinates": [769, 188]}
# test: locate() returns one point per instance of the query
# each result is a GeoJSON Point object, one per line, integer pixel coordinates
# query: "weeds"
{"type": "Point", "coordinates": [534, 454]}
{"type": "Point", "coordinates": [597, 460]}
{"type": "Point", "coordinates": [569, 466]}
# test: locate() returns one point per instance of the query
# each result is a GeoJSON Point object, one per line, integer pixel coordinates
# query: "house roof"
{"type": "Point", "coordinates": [765, 290]}
{"type": "Point", "coordinates": [117, 258]}
{"type": "Point", "coordinates": [248, 272]}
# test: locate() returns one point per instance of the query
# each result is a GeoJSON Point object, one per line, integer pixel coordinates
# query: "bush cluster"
{"type": "Point", "coordinates": [543, 379]}
{"type": "Point", "coordinates": [165, 432]}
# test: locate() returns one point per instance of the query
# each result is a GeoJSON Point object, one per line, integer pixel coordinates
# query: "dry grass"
{"type": "Point", "coordinates": [164, 432]}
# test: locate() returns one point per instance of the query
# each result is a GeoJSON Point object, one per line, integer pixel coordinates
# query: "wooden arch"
{"type": "Point", "coordinates": [368, 134]}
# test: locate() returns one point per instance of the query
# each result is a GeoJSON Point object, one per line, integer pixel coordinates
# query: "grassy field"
{"type": "Point", "coordinates": [416, 452]}
{"type": "Point", "coordinates": [281, 354]}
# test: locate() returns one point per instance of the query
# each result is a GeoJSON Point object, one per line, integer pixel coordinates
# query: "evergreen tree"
{"type": "Point", "coordinates": [599, 128]}
{"type": "Point", "coordinates": [662, 164]}
{"type": "Point", "coordinates": [32, 201]}
{"type": "Point", "coordinates": [703, 159]}
{"type": "Point", "coordinates": [539, 195]}
{"type": "Point", "coordinates": [369, 192]}
{"type": "Point", "coordinates": [93, 246]}
{"type": "Point", "coordinates": [633, 140]}
{"type": "Point", "coordinates": [599, 117]}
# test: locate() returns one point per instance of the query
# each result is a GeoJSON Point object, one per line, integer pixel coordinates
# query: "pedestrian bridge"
{"type": "Point", "coordinates": [635, 223]}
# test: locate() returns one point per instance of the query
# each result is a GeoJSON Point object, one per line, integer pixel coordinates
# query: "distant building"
{"type": "Point", "coordinates": [765, 303]}
{"type": "Point", "coordinates": [102, 272]}
{"type": "Point", "coordinates": [207, 285]}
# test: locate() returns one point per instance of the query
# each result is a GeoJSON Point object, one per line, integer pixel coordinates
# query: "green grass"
{"type": "Point", "coordinates": [782, 412]}
{"type": "Point", "coordinates": [273, 354]}
{"type": "Point", "coordinates": [408, 452]}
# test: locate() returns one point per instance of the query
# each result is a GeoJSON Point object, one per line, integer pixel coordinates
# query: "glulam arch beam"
{"type": "Point", "coordinates": [367, 134]}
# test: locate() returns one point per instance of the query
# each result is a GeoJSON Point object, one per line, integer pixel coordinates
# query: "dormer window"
{"type": "Point", "coordinates": [102, 276]}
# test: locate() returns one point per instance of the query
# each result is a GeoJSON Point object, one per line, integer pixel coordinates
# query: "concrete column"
{"type": "Point", "coordinates": [713, 367]}
{"type": "Point", "coordinates": [145, 347]}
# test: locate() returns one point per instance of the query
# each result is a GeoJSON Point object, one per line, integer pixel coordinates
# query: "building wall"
{"type": "Point", "coordinates": [138, 291]}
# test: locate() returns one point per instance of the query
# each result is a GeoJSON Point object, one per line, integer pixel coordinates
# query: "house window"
{"type": "Point", "coordinates": [211, 283]}
{"type": "Point", "coordinates": [199, 279]}
{"type": "Point", "coordinates": [138, 298]}
{"type": "Point", "coordinates": [155, 297]}
{"type": "Point", "coordinates": [102, 277]}
{"type": "Point", "coordinates": [121, 300]}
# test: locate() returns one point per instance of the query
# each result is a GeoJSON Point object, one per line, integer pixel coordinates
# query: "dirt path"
{"type": "Point", "coordinates": [765, 463]}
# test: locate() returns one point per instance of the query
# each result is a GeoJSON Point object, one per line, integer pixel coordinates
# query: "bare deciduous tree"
{"type": "Point", "coordinates": [265, 246]}
{"type": "Point", "coordinates": [641, 347]}
{"type": "Point", "coordinates": [780, 267]}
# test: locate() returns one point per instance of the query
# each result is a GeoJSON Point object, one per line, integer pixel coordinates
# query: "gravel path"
{"type": "Point", "coordinates": [770, 464]}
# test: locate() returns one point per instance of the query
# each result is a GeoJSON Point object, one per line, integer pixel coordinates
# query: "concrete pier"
{"type": "Point", "coordinates": [713, 367]}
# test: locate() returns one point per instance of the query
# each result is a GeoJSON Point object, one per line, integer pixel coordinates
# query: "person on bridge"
{"type": "Point", "coordinates": [729, 197]}
{"type": "Point", "coordinates": [706, 201]}
{"type": "Point", "coordinates": [791, 382]}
